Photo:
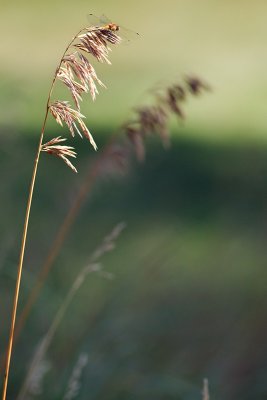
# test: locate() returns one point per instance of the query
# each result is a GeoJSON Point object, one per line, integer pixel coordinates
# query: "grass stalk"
{"type": "Point", "coordinates": [25, 228]}
{"type": "Point", "coordinates": [22, 248]}
{"type": "Point", "coordinates": [20, 266]}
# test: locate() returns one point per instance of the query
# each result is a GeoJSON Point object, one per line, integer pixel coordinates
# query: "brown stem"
{"type": "Point", "coordinates": [25, 230]}
{"type": "Point", "coordinates": [20, 264]}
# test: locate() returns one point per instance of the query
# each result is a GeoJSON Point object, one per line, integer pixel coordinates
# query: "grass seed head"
{"type": "Point", "coordinates": [53, 147]}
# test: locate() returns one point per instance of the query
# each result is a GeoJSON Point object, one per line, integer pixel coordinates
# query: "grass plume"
{"type": "Point", "coordinates": [92, 41]}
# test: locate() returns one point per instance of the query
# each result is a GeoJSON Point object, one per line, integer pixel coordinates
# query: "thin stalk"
{"type": "Point", "coordinates": [25, 230]}
{"type": "Point", "coordinates": [20, 264]}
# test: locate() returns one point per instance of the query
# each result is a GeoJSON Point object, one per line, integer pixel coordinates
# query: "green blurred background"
{"type": "Point", "coordinates": [188, 298]}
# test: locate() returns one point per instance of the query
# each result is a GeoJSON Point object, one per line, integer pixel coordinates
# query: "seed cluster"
{"type": "Point", "coordinates": [63, 152]}
{"type": "Point", "coordinates": [79, 76]}
{"type": "Point", "coordinates": [148, 120]}
{"type": "Point", "coordinates": [154, 119]}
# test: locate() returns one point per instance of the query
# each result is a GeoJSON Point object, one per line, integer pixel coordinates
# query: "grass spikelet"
{"type": "Point", "coordinates": [63, 152]}
{"type": "Point", "coordinates": [62, 112]}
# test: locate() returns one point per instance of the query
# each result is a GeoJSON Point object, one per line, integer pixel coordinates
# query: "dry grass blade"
{"type": "Point", "coordinates": [63, 152]}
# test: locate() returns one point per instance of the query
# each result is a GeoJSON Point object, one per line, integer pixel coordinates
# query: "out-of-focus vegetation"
{"type": "Point", "coordinates": [188, 296]}
{"type": "Point", "coordinates": [223, 41]}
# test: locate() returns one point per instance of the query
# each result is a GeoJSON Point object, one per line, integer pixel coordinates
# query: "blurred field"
{"type": "Point", "coordinates": [188, 298]}
{"type": "Point", "coordinates": [223, 41]}
{"type": "Point", "coordinates": [188, 295]}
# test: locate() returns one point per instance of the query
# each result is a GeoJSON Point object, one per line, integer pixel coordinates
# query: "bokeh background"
{"type": "Point", "coordinates": [188, 294]}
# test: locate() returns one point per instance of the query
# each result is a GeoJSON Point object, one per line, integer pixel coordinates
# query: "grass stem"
{"type": "Point", "coordinates": [25, 231]}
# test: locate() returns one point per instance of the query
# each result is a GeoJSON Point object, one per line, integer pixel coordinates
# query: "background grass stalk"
{"type": "Point", "coordinates": [94, 266]}
{"type": "Point", "coordinates": [176, 95]}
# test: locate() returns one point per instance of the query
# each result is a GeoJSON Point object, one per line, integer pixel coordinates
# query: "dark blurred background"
{"type": "Point", "coordinates": [188, 294]}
